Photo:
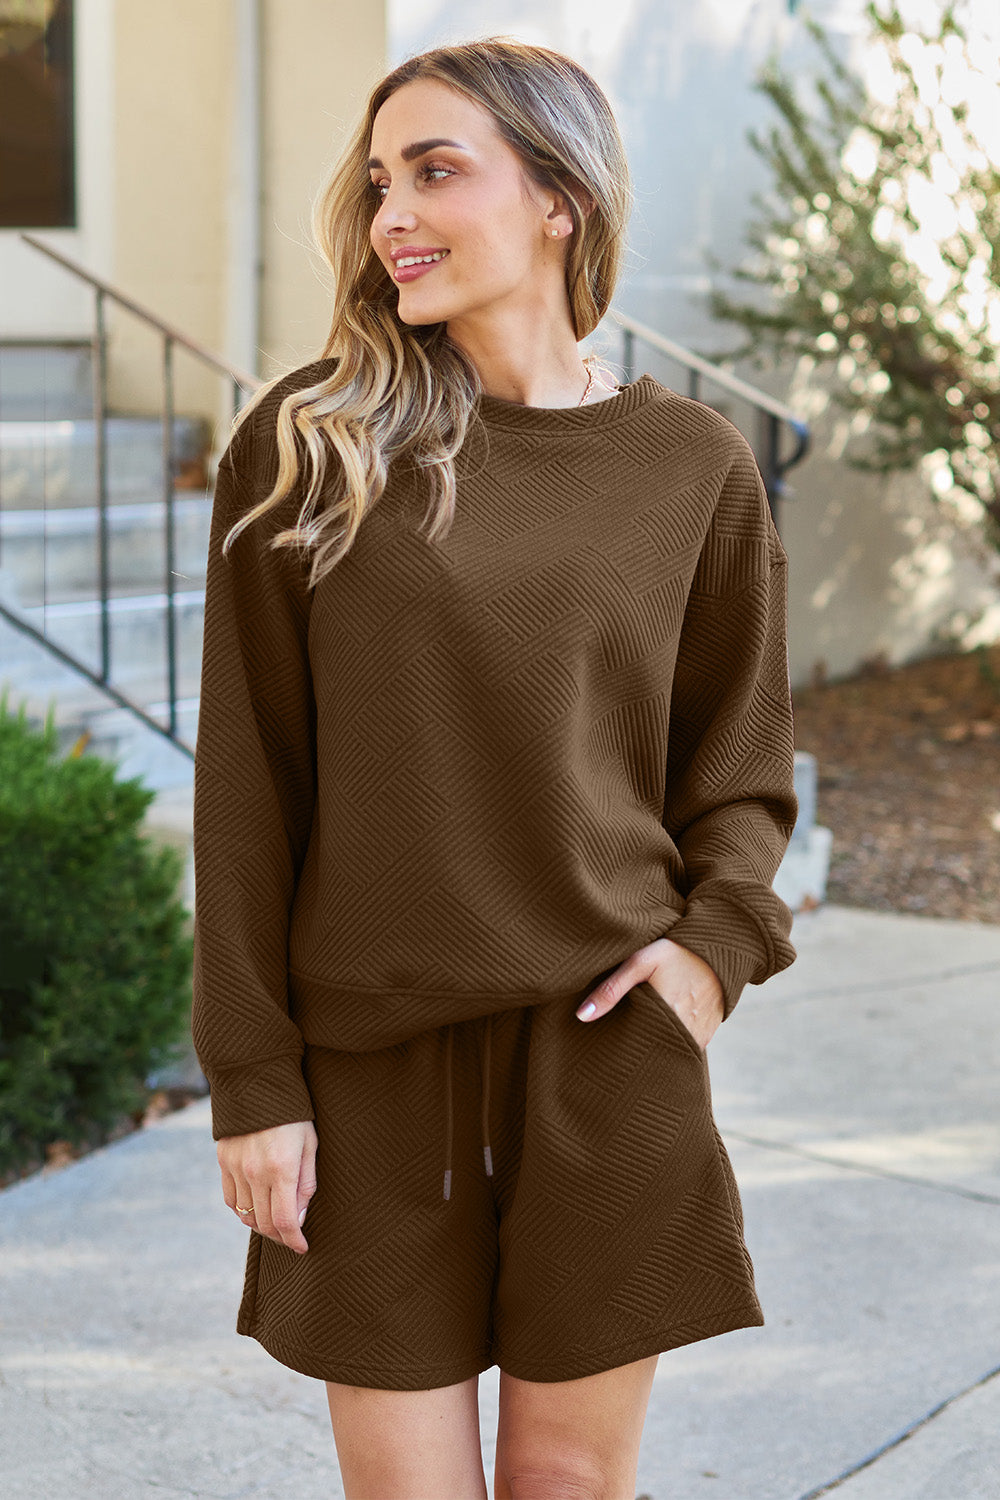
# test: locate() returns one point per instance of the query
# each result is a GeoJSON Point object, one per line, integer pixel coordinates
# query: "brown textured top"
{"type": "Point", "coordinates": [465, 776]}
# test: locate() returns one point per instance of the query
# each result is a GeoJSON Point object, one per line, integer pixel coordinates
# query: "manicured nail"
{"type": "Point", "coordinates": [587, 1011]}
{"type": "Point", "coordinates": [302, 1218]}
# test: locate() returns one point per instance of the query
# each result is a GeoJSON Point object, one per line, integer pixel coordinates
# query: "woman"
{"type": "Point", "coordinates": [526, 712]}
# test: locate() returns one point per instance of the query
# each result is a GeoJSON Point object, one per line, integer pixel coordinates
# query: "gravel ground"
{"type": "Point", "coordinates": [908, 762]}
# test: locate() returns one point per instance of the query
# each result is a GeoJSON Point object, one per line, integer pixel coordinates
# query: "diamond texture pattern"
{"type": "Point", "coordinates": [610, 1230]}
{"type": "Point", "coordinates": [463, 778]}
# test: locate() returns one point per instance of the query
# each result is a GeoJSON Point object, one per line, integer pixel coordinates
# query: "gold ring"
{"type": "Point", "coordinates": [244, 1210]}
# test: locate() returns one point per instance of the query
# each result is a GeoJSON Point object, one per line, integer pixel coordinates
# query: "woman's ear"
{"type": "Point", "coordinates": [559, 206]}
{"type": "Point", "coordinates": [559, 218]}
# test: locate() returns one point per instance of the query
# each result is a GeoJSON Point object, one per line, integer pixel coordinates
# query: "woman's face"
{"type": "Point", "coordinates": [469, 199]}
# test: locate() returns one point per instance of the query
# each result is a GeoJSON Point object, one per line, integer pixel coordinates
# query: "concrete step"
{"type": "Point", "coordinates": [36, 675]}
{"type": "Point", "coordinates": [53, 553]}
{"type": "Point", "coordinates": [52, 464]}
{"type": "Point", "coordinates": [41, 681]}
{"type": "Point", "coordinates": [137, 631]}
{"type": "Point", "coordinates": [46, 380]}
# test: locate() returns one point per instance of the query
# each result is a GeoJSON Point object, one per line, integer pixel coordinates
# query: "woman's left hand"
{"type": "Point", "coordinates": [683, 978]}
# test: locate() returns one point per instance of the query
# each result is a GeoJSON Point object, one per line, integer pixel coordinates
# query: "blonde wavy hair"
{"type": "Point", "coordinates": [399, 391]}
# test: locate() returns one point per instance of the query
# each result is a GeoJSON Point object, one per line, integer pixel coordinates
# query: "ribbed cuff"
{"type": "Point", "coordinates": [733, 942]}
{"type": "Point", "coordinates": [259, 1096]}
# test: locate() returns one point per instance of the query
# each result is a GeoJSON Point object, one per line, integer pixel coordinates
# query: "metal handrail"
{"type": "Point", "coordinates": [242, 383]}
{"type": "Point", "coordinates": [772, 414]}
{"type": "Point", "coordinates": [224, 366]}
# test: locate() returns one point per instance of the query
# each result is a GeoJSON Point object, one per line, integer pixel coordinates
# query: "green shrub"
{"type": "Point", "coordinates": [95, 945]}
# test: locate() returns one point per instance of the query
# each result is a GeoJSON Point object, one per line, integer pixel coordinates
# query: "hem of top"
{"type": "Point", "coordinates": [416, 1377]}
{"type": "Point", "coordinates": [613, 1355]}
{"type": "Point", "coordinates": [330, 1015]}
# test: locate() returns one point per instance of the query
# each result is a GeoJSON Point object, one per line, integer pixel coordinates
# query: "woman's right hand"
{"type": "Point", "coordinates": [274, 1171]}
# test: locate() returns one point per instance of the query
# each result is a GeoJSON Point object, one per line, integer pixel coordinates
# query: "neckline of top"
{"type": "Point", "coordinates": [500, 413]}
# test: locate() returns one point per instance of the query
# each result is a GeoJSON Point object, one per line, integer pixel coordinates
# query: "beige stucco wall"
{"type": "Point", "coordinates": [881, 566]}
{"type": "Point", "coordinates": [322, 58]}
{"type": "Point", "coordinates": [174, 76]}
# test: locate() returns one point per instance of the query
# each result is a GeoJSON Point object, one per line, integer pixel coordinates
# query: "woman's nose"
{"type": "Point", "coordinates": [393, 213]}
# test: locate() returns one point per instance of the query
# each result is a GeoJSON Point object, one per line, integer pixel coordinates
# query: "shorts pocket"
{"type": "Point", "coordinates": [673, 1019]}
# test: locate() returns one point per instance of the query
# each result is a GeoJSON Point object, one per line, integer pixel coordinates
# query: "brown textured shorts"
{"type": "Point", "coordinates": [610, 1229]}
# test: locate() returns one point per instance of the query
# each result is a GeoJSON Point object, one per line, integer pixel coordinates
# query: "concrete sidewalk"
{"type": "Point", "coordinates": [858, 1095]}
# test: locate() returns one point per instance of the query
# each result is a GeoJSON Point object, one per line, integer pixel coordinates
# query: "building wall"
{"type": "Point", "coordinates": [163, 187]}
{"type": "Point", "coordinates": [323, 56]}
{"type": "Point", "coordinates": [176, 74]}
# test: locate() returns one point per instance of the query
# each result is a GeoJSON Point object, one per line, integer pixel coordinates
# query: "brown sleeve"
{"type": "Point", "coordinates": [254, 793]}
{"type": "Point", "coordinates": [730, 803]}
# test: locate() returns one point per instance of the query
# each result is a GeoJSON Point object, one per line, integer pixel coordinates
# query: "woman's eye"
{"type": "Point", "coordinates": [424, 172]}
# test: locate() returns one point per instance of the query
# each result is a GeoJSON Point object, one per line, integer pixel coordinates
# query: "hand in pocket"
{"type": "Point", "coordinates": [683, 979]}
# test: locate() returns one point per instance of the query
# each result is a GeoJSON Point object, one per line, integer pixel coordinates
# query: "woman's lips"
{"type": "Point", "coordinates": [410, 273]}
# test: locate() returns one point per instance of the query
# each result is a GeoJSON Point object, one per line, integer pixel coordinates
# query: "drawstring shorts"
{"type": "Point", "coordinates": [521, 1189]}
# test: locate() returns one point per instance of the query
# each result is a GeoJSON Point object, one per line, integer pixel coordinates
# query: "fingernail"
{"type": "Point", "coordinates": [302, 1217]}
{"type": "Point", "coordinates": [587, 1011]}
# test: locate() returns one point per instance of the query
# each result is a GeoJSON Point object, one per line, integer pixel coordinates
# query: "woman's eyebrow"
{"type": "Point", "coordinates": [409, 153]}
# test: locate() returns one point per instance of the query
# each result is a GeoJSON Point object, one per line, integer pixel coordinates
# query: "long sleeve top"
{"type": "Point", "coordinates": [477, 774]}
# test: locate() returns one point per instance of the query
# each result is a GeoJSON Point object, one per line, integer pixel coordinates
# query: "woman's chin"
{"type": "Point", "coordinates": [411, 312]}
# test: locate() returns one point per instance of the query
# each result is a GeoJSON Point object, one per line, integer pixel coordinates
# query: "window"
{"type": "Point", "coordinates": [37, 178]}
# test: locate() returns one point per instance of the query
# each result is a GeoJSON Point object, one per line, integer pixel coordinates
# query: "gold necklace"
{"type": "Point", "coordinates": [590, 382]}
